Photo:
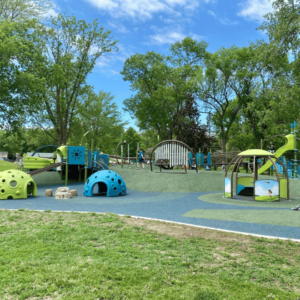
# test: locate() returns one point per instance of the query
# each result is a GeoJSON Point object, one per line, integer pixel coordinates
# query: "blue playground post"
{"type": "Point", "coordinates": [202, 159]}
{"type": "Point", "coordinates": [208, 166]}
{"type": "Point", "coordinates": [85, 164]}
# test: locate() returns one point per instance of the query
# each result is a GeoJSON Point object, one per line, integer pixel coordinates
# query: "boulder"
{"type": "Point", "coordinates": [63, 195]}
{"type": "Point", "coordinates": [73, 192]}
{"type": "Point", "coordinates": [49, 193]}
{"type": "Point", "coordinates": [62, 189]}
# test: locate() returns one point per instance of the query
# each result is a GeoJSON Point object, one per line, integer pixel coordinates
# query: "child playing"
{"type": "Point", "coordinates": [141, 160]}
{"type": "Point", "coordinates": [272, 148]}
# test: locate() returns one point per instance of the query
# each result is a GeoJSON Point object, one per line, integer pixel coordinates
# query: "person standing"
{"type": "Point", "coordinates": [141, 160]}
{"type": "Point", "coordinates": [272, 148]}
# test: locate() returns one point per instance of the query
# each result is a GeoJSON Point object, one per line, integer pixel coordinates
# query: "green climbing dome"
{"type": "Point", "coordinates": [15, 184]}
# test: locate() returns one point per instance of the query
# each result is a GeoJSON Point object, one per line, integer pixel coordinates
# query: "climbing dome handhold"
{"type": "Point", "coordinates": [15, 184]}
{"type": "Point", "coordinates": [105, 183]}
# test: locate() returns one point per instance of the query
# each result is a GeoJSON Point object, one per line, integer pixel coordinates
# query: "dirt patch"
{"type": "Point", "coordinates": [185, 231]}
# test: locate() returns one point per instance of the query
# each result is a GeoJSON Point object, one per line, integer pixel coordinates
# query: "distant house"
{"type": "Point", "coordinates": [3, 154]}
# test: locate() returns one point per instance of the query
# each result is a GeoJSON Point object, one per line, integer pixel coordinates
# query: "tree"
{"type": "Point", "coordinates": [131, 137]}
{"type": "Point", "coordinates": [22, 10]}
{"type": "Point", "coordinates": [216, 93]}
{"type": "Point", "coordinates": [21, 62]}
{"type": "Point", "coordinates": [72, 48]}
{"type": "Point", "coordinates": [282, 26]}
{"type": "Point", "coordinates": [253, 78]}
{"type": "Point", "coordinates": [101, 118]}
{"type": "Point", "coordinates": [189, 129]}
{"type": "Point", "coordinates": [163, 85]}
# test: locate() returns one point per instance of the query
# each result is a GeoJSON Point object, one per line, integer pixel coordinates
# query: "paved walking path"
{"type": "Point", "coordinates": [178, 207]}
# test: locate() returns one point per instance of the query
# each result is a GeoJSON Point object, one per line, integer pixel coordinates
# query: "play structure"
{"type": "Point", "coordinates": [107, 183]}
{"type": "Point", "coordinates": [170, 153]}
{"type": "Point", "coordinates": [15, 184]}
{"type": "Point", "coordinates": [36, 162]}
{"type": "Point", "coordinates": [77, 162]}
{"type": "Point", "coordinates": [290, 145]}
{"type": "Point", "coordinates": [257, 189]}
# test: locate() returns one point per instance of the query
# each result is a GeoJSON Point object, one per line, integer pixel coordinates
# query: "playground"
{"type": "Point", "coordinates": [167, 216]}
{"type": "Point", "coordinates": [165, 197]}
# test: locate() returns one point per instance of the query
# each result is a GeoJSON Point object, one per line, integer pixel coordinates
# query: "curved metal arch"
{"type": "Point", "coordinates": [172, 141]}
{"type": "Point", "coordinates": [229, 165]}
{"type": "Point", "coordinates": [42, 148]}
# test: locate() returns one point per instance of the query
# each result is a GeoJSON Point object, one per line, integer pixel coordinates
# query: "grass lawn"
{"type": "Point", "coordinates": [6, 165]}
{"type": "Point", "coordinates": [47, 255]}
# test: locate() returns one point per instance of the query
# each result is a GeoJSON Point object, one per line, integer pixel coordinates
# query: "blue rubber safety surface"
{"type": "Point", "coordinates": [158, 205]}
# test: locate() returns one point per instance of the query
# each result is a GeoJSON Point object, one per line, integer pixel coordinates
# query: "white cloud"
{"type": "Point", "coordinates": [144, 9]}
{"type": "Point", "coordinates": [119, 27]}
{"type": "Point", "coordinates": [255, 9]}
{"type": "Point", "coordinates": [167, 38]}
{"type": "Point", "coordinates": [169, 35]}
{"type": "Point", "coordinates": [51, 13]}
{"type": "Point", "coordinates": [111, 58]}
{"type": "Point", "coordinates": [223, 20]}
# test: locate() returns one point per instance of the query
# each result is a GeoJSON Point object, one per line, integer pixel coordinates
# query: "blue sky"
{"type": "Point", "coordinates": [153, 25]}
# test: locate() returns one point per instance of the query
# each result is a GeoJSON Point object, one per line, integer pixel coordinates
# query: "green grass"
{"type": "Point", "coordinates": [271, 217]}
{"type": "Point", "coordinates": [48, 255]}
{"type": "Point", "coordinates": [6, 165]}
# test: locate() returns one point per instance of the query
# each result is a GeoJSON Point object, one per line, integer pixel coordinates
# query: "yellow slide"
{"type": "Point", "coordinates": [289, 145]}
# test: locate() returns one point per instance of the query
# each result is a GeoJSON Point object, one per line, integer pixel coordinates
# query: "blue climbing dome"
{"type": "Point", "coordinates": [105, 183]}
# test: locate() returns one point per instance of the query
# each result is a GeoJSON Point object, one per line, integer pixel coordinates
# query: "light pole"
{"type": "Point", "coordinates": [92, 146]}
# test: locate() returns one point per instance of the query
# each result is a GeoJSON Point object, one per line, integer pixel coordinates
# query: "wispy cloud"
{"type": "Point", "coordinates": [107, 62]}
{"type": "Point", "coordinates": [223, 20]}
{"type": "Point", "coordinates": [255, 9]}
{"type": "Point", "coordinates": [119, 27]}
{"type": "Point", "coordinates": [169, 35]}
{"type": "Point", "coordinates": [145, 9]}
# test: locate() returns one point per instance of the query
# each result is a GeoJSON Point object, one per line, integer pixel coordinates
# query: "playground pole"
{"type": "Point", "coordinates": [137, 153]}
{"type": "Point", "coordinates": [128, 155]}
{"type": "Point", "coordinates": [261, 144]}
{"type": "Point", "coordinates": [67, 165]}
{"type": "Point", "coordinates": [122, 156]}
{"type": "Point", "coordinates": [295, 150]}
{"type": "Point", "coordinates": [85, 164]}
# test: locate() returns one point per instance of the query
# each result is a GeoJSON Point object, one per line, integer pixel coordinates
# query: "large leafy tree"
{"type": "Point", "coordinates": [216, 93]}
{"type": "Point", "coordinates": [282, 26]}
{"type": "Point", "coordinates": [163, 86]}
{"type": "Point", "coordinates": [101, 122]}
{"type": "Point", "coordinates": [21, 64]}
{"type": "Point", "coordinates": [22, 10]}
{"type": "Point", "coordinates": [72, 48]}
